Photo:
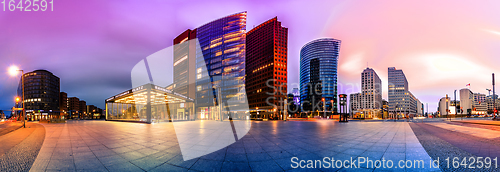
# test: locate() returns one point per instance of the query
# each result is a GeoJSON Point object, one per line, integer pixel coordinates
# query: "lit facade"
{"type": "Point", "coordinates": [401, 100]}
{"type": "Point", "coordinates": [149, 104]}
{"type": "Point", "coordinates": [318, 74]}
{"type": "Point", "coordinates": [266, 65]}
{"type": "Point", "coordinates": [223, 47]}
{"type": "Point", "coordinates": [185, 64]}
{"type": "Point", "coordinates": [41, 95]}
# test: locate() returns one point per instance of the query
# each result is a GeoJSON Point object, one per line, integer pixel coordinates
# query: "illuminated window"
{"type": "Point", "coordinates": [198, 88]}
{"type": "Point", "coordinates": [198, 76]}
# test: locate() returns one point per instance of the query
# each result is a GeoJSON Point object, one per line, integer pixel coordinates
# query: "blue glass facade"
{"type": "Point", "coordinates": [318, 74]}
{"type": "Point", "coordinates": [223, 48]}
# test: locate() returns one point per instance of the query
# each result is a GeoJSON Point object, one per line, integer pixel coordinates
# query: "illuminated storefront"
{"type": "Point", "coordinates": [149, 104]}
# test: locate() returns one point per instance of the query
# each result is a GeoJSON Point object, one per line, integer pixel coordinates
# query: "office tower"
{"type": "Point", "coordinates": [466, 101]}
{"type": "Point", "coordinates": [222, 43]}
{"type": "Point", "coordinates": [401, 100]}
{"type": "Point", "coordinates": [371, 93]}
{"type": "Point", "coordinates": [318, 74]}
{"type": "Point", "coordinates": [41, 95]}
{"type": "Point", "coordinates": [266, 68]}
{"type": "Point", "coordinates": [185, 64]}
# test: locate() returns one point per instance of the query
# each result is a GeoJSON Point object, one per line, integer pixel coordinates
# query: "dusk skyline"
{"type": "Point", "coordinates": [92, 45]}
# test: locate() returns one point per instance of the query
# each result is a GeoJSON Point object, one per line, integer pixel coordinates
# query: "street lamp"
{"type": "Point", "coordinates": [324, 110]}
{"type": "Point", "coordinates": [447, 106]}
{"type": "Point", "coordinates": [331, 104]}
{"type": "Point", "coordinates": [13, 71]}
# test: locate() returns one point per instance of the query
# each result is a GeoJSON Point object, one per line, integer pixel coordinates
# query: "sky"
{"type": "Point", "coordinates": [92, 45]}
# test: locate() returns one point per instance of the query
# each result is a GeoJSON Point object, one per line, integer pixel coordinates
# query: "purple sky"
{"type": "Point", "coordinates": [92, 44]}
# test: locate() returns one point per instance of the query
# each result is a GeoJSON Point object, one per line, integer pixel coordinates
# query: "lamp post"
{"type": "Point", "coordinates": [324, 110]}
{"type": "Point", "coordinates": [331, 104]}
{"type": "Point", "coordinates": [447, 106]}
{"type": "Point", "coordinates": [13, 70]}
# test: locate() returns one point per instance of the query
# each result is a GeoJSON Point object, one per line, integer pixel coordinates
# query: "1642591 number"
{"type": "Point", "coordinates": [28, 5]}
{"type": "Point", "coordinates": [471, 162]}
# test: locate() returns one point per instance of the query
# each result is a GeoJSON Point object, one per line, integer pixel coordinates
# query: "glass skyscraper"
{"type": "Point", "coordinates": [318, 74]}
{"type": "Point", "coordinates": [223, 48]}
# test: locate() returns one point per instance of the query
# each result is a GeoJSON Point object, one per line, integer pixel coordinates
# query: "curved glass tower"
{"type": "Point", "coordinates": [318, 75]}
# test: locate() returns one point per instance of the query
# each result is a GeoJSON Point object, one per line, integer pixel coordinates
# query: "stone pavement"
{"type": "Point", "coordinates": [478, 132]}
{"type": "Point", "coordinates": [9, 126]}
{"type": "Point", "coordinates": [269, 146]}
{"type": "Point", "coordinates": [19, 148]}
{"type": "Point", "coordinates": [478, 142]}
{"type": "Point", "coordinates": [480, 121]}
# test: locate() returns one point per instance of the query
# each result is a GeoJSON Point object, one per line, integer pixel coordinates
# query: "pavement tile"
{"type": "Point", "coordinates": [168, 168]}
{"type": "Point", "coordinates": [123, 167]}
{"type": "Point", "coordinates": [147, 163]}
{"type": "Point", "coordinates": [207, 165]}
{"type": "Point", "coordinates": [235, 166]}
{"type": "Point", "coordinates": [179, 161]}
{"type": "Point", "coordinates": [254, 157]}
{"type": "Point", "coordinates": [265, 166]}
{"type": "Point", "coordinates": [61, 165]}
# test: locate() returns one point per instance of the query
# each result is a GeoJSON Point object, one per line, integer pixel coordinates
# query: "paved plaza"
{"type": "Point", "coordinates": [321, 145]}
{"type": "Point", "coordinates": [269, 146]}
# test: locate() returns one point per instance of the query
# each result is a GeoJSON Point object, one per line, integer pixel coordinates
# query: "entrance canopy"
{"type": "Point", "coordinates": [149, 103]}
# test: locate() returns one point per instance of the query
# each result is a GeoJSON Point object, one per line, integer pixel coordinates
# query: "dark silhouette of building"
{"type": "Point", "coordinates": [74, 107]}
{"type": "Point", "coordinates": [266, 68]}
{"type": "Point", "coordinates": [82, 109]}
{"type": "Point", "coordinates": [63, 104]}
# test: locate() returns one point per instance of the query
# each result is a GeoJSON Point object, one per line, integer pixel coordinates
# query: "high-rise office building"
{"type": "Point", "coordinates": [318, 74]}
{"type": "Point", "coordinates": [266, 65]}
{"type": "Point", "coordinates": [185, 64]}
{"type": "Point", "coordinates": [371, 93]}
{"type": "Point", "coordinates": [401, 100]}
{"type": "Point", "coordinates": [41, 95]}
{"type": "Point", "coordinates": [222, 43]}
{"type": "Point", "coordinates": [466, 101]}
